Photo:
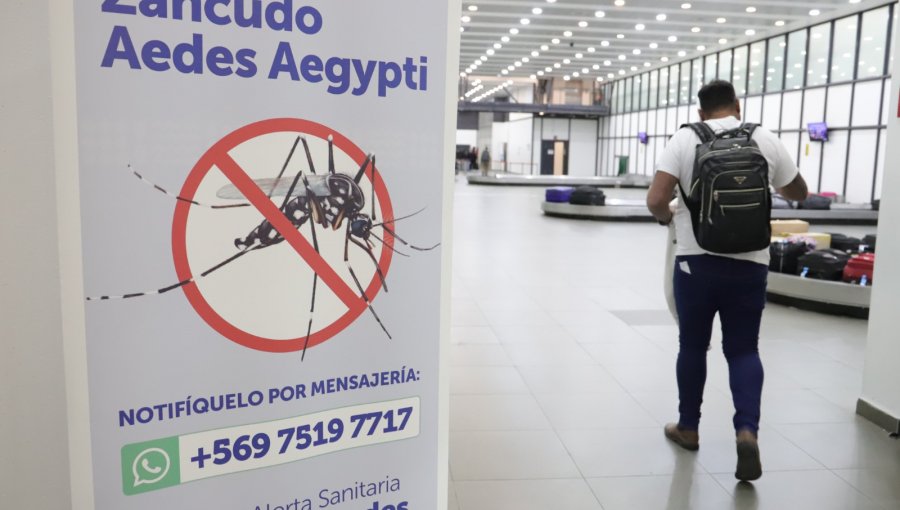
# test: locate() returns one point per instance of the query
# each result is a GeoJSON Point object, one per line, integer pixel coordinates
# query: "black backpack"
{"type": "Point", "coordinates": [729, 198]}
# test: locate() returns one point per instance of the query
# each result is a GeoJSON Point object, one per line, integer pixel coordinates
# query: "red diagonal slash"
{"type": "Point", "coordinates": [283, 225]}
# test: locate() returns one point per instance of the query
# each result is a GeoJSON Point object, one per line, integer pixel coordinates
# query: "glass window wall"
{"type": "Point", "coordinates": [654, 89]}
{"type": "Point", "coordinates": [724, 66]}
{"type": "Point", "coordinates": [710, 73]}
{"type": "Point", "coordinates": [673, 85]}
{"type": "Point", "coordinates": [844, 50]}
{"type": "Point", "coordinates": [819, 42]}
{"type": "Point", "coordinates": [739, 70]}
{"type": "Point", "coordinates": [757, 71]}
{"type": "Point", "coordinates": [685, 90]}
{"type": "Point", "coordinates": [796, 60]}
{"type": "Point", "coordinates": [873, 43]}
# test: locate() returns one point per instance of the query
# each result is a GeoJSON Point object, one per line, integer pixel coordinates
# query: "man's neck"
{"type": "Point", "coordinates": [721, 115]}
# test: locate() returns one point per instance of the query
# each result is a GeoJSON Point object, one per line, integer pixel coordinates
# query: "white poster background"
{"type": "Point", "coordinates": [115, 236]}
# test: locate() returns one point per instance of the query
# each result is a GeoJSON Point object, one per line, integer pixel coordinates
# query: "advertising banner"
{"type": "Point", "coordinates": [262, 231]}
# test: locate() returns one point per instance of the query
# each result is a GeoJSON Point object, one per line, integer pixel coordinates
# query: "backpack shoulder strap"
{"type": "Point", "coordinates": [702, 130]}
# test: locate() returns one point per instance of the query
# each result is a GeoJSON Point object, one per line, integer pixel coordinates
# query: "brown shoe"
{"type": "Point", "coordinates": [687, 439]}
{"type": "Point", "coordinates": [749, 467]}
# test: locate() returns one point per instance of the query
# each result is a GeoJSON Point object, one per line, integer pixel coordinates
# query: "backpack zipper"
{"type": "Point", "coordinates": [709, 209]}
{"type": "Point", "coordinates": [710, 154]}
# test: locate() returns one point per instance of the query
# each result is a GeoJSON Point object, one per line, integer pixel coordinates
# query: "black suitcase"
{"type": "Point", "coordinates": [779, 202]}
{"type": "Point", "coordinates": [845, 243]}
{"type": "Point", "coordinates": [587, 195]}
{"type": "Point", "coordinates": [785, 254]}
{"type": "Point", "coordinates": [823, 265]}
{"type": "Point", "coordinates": [868, 243]}
{"type": "Point", "coordinates": [817, 202]}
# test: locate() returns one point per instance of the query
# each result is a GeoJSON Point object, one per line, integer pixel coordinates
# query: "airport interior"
{"type": "Point", "coordinates": [541, 280]}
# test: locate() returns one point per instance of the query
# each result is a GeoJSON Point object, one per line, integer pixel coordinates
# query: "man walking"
{"type": "Point", "coordinates": [721, 263]}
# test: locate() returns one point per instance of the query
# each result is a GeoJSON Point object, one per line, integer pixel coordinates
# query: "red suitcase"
{"type": "Point", "coordinates": [859, 269]}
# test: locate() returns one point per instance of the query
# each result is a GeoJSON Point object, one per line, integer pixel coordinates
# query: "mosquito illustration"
{"type": "Point", "coordinates": [326, 201]}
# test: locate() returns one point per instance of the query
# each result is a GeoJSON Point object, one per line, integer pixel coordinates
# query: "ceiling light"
{"type": "Point", "coordinates": [513, 31]}
{"type": "Point", "coordinates": [540, 73]}
{"type": "Point", "coordinates": [544, 47]}
{"type": "Point", "coordinates": [611, 75]}
{"type": "Point", "coordinates": [701, 47]}
{"type": "Point", "coordinates": [466, 19]}
{"type": "Point", "coordinates": [533, 76]}
{"type": "Point", "coordinates": [664, 59]}
{"type": "Point", "coordinates": [622, 57]}
{"type": "Point", "coordinates": [604, 43]}
{"type": "Point", "coordinates": [607, 62]}
{"type": "Point", "coordinates": [673, 38]}
{"type": "Point", "coordinates": [534, 54]}
{"type": "Point", "coordinates": [554, 40]}
{"type": "Point", "coordinates": [599, 78]}
{"type": "Point", "coordinates": [592, 49]}
{"type": "Point", "coordinates": [815, 12]}
{"type": "Point", "coordinates": [779, 23]}
{"type": "Point", "coordinates": [599, 14]}
{"type": "Point", "coordinates": [723, 41]}
{"type": "Point", "coordinates": [695, 29]}
{"type": "Point", "coordinates": [490, 52]}
{"type": "Point", "coordinates": [750, 31]}
{"type": "Point", "coordinates": [511, 68]}
{"type": "Point", "coordinates": [595, 67]}
{"type": "Point", "coordinates": [620, 36]}
{"type": "Point", "coordinates": [525, 59]}
{"type": "Point", "coordinates": [661, 17]}
{"type": "Point", "coordinates": [567, 77]}
{"type": "Point", "coordinates": [566, 61]}
{"type": "Point", "coordinates": [462, 29]}
{"type": "Point", "coordinates": [504, 71]}
{"type": "Point", "coordinates": [505, 38]}
{"type": "Point", "coordinates": [548, 69]}
{"type": "Point", "coordinates": [537, 10]}
{"type": "Point", "coordinates": [524, 21]}
{"type": "Point", "coordinates": [557, 65]}
{"type": "Point", "coordinates": [619, 3]}
{"type": "Point", "coordinates": [721, 20]}
{"type": "Point", "coordinates": [636, 51]}
{"type": "Point", "coordinates": [462, 74]}
{"type": "Point", "coordinates": [497, 46]}
{"type": "Point", "coordinates": [685, 6]}
{"type": "Point", "coordinates": [517, 64]}
{"type": "Point", "coordinates": [751, 9]}
{"type": "Point", "coordinates": [575, 74]}
{"type": "Point", "coordinates": [653, 46]}
{"type": "Point", "coordinates": [567, 33]}
{"type": "Point", "coordinates": [583, 24]}
{"type": "Point", "coordinates": [579, 55]}
{"type": "Point", "coordinates": [646, 64]}
{"type": "Point", "coordinates": [639, 26]}
{"type": "Point", "coordinates": [682, 53]}
{"type": "Point", "coordinates": [633, 68]}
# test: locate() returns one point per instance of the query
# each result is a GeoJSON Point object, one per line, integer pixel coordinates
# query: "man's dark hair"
{"type": "Point", "coordinates": [716, 95]}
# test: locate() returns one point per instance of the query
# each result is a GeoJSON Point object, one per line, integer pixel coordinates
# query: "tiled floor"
{"type": "Point", "coordinates": [563, 373]}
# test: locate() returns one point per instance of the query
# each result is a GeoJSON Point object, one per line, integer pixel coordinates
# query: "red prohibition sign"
{"type": "Point", "coordinates": [218, 157]}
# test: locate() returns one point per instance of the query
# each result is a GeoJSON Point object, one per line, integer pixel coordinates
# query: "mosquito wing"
{"type": "Point", "coordinates": [279, 187]}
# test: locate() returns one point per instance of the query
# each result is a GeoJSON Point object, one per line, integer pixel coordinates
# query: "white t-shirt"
{"type": "Point", "coordinates": [678, 160]}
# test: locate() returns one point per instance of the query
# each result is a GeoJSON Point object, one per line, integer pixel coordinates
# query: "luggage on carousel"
{"type": "Point", "coordinates": [779, 202]}
{"type": "Point", "coordinates": [846, 243]}
{"type": "Point", "coordinates": [784, 227]}
{"type": "Point", "coordinates": [869, 243]}
{"type": "Point", "coordinates": [816, 202]}
{"type": "Point", "coordinates": [859, 269]}
{"type": "Point", "coordinates": [816, 240]}
{"type": "Point", "coordinates": [785, 253]}
{"type": "Point", "coordinates": [560, 194]}
{"type": "Point", "coordinates": [823, 265]}
{"type": "Point", "coordinates": [587, 195]}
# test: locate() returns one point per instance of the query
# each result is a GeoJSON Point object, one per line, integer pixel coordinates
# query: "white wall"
{"type": "Point", "coordinates": [881, 378]}
{"type": "Point", "coordinates": [466, 137]}
{"type": "Point", "coordinates": [583, 148]}
{"type": "Point", "coordinates": [34, 461]}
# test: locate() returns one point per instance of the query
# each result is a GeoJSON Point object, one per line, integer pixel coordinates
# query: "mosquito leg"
{"type": "Point", "coordinates": [182, 283]}
{"type": "Point", "coordinates": [180, 198]}
{"type": "Point", "coordinates": [373, 188]}
{"type": "Point", "coordinates": [313, 204]}
{"type": "Point", "coordinates": [389, 246]}
{"type": "Point", "coordinates": [331, 154]}
{"type": "Point", "coordinates": [312, 309]}
{"type": "Point", "coordinates": [395, 220]}
{"type": "Point", "coordinates": [362, 292]}
{"type": "Point", "coordinates": [368, 250]}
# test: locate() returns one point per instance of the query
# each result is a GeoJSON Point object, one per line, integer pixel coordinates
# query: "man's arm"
{"type": "Point", "coordinates": [796, 190]}
{"type": "Point", "coordinates": [659, 196]}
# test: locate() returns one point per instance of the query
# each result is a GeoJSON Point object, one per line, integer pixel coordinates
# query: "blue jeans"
{"type": "Point", "coordinates": [736, 290]}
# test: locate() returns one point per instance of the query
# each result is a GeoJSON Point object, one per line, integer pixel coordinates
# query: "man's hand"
{"type": "Point", "coordinates": [659, 195]}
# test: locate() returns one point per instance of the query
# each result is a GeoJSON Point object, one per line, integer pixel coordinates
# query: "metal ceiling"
{"type": "Point", "coordinates": [602, 37]}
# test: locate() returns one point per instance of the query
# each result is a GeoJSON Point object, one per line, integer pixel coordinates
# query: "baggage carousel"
{"type": "Point", "coordinates": [636, 210]}
{"type": "Point", "coordinates": [625, 181]}
{"type": "Point", "coordinates": [835, 298]}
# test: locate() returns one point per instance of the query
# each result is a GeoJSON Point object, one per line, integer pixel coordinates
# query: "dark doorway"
{"type": "Point", "coordinates": [554, 157]}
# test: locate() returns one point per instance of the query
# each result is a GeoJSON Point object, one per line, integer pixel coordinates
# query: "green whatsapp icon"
{"type": "Point", "coordinates": [150, 465]}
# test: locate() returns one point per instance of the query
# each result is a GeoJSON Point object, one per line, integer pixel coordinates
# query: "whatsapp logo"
{"type": "Point", "coordinates": [150, 466]}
